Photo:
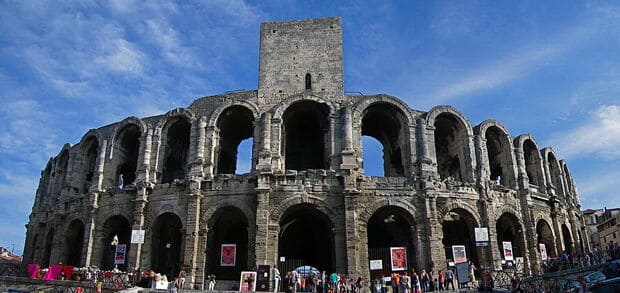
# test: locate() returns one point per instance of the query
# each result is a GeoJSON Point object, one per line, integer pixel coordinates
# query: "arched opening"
{"type": "Point", "coordinates": [544, 235]}
{"type": "Point", "coordinates": [74, 241]}
{"type": "Point", "coordinates": [166, 243]}
{"type": "Point", "coordinates": [176, 149]}
{"type": "Point", "coordinates": [306, 238]}
{"type": "Point", "coordinates": [235, 124]}
{"type": "Point", "coordinates": [556, 177]}
{"type": "Point", "coordinates": [244, 156]}
{"type": "Point", "coordinates": [308, 81]}
{"type": "Point", "coordinates": [532, 163]}
{"type": "Point", "coordinates": [86, 171]}
{"type": "Point", "coordinates": [500, 156]}
{"type": "Point", "coordinates": [386, 124]}
{"type": "Point", "coordinates": [510, 230]}
{"type": "Point", "coordinates": [115, 226]}
{"type": "Point", "coordinates": [44, 187]}
{"type": "Point", "coordinates": [569, 181]}
{"type": "Point", "coordinates": [227, 244]}
{"type": "Point", "coordinates": [458, 229]}
{"type": "Point", "coordinates": [126, 151]}
{"type": "Point", "coordinates": [33, 248]}
{"type": "Point", "coordinates": [567, 239]}
{"type": "Point", "coordinates": [47, 250]}
{"type": "Point", "coordinates": [60, 174]}
{"type": "Point", "coordinates": [390, 227]}
{"type": "Point", "coordinates": [372, 156]}
{"type": "Point", "coordinates": [306, 126]}
{"type": "Point", "coordinates": [451, 141]}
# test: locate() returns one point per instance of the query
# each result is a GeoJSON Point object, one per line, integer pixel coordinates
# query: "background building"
{"type": "Point", "coordinates": [306, 200]}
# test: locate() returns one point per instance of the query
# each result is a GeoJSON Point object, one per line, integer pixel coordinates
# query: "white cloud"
{"type": "Point", "coordinates": [599, 190]}
{"type": "Point", "coordinates": [600, 135]}
{"type": "Point", "coordinates": [123, 57]}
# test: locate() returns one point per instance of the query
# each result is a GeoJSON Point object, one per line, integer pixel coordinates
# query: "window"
{"type": "Point", "coordinates": [308, 81]}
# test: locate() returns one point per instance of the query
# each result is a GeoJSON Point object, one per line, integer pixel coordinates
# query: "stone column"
{"type": "Point", "coordinates": [192, 232]}
{"type": "Point", "coordinates": [198, 161]}
{"type": "Point", "coordinates": [141, 200]}
{"type": "Point", "coordinates": [482, 169]}
{"type": "Point", "coordinates": [351, 235]}
{"type": "Point", "coordinates": [262, 227]}
{"type": "Point", "coordinates": [522, 180]}
{"type": "Point", "coordinates": [201, 259]}
{"type": "Point", "coordinates": [559, 237]}
{"type": "Point", "coordinates": [434, 233]}
{"type": "Point", "coordinates": [264, 156]}
{"type": "Point", "coordinates": [348, 159]}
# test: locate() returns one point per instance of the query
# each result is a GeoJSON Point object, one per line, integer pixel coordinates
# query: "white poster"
{"type": "Point", "coordinates": [482, 234]}
{"type": "Point", "coordinates": [120, 254]}
{"type": "Point", "coordinates": [376, 264]}
{"type": "Point", "coordinates": [508, 250]}
{"type": "Point", "coordinates": [459, 254]}
{"type": "Point", "coordinates": [137, 236]}
{"type": "Point", "coordinates": [543, 251]}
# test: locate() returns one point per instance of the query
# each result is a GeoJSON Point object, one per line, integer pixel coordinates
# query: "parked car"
{"type": "Point", "coordinates": [594, 277]}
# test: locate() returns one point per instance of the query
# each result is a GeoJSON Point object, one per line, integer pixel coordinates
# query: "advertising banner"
{"type": "Point", "coordinates": [247, 283]}
{"type": "Point", "coordinates": [399, 258]}
{"type": "Point", "coordinates": [376, 264]}
{"type": "Point", "coordinates": [137, 236]}
{"type": "Point", "coordinates": [543, 251]}
{"type": "Point", "coordinates": [228, 255]}
{"type": "Point", "coordinates": [508, 250]}
{"type": "Point", "coordinates": [459, 254]}
{"type": "Point", "coordinates": [120, 254]}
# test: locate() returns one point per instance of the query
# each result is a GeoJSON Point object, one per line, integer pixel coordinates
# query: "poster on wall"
{"type": "Point", "coordinates": [459, 254]}
{"type": "Point", "coordinates": [508, 250]}
{"type": "Point", "coordinates": [399, 258]}
{"type": "Point", "coordinates": [120, 254]}
{"type": "Point", "coordinates": [376, 264]}
{"type": "Point", "coordinates": [543, 251]}
{"type": "Point", "coordinates": [137, 236]}
{"type": "Point", "coordinates": [247, 282]}
{"type": "Point", "coordinates": [228, 255]}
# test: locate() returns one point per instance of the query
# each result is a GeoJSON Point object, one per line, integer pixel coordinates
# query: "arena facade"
{"type": "Point", "coordinates": [306, 199]}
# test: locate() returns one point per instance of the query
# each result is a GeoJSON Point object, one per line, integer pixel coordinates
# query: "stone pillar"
{"type": "Point", "coordinates": [100, 164]}
{"type": "Point", "coordinates": [349, 161]}
{"type": "Point", "coordinates": [197, 165]}
{"type": "Point", "coordinates": [192, 232]}
{"type": "Point", "coordinates": [264, 156]}
{"type": "Point", "coordinates": [277, 155]}
{"type": "Point", "coordinates": [557, 230]}
{"type": "Point", "coordinates": [140, 203]}
{"type": "Point", "coordinates": [262, 228]}
{"type": "Point", "coordinates": [434, 234]}
{"type": "Point", "coordinates": [212, 138]}
{"type": "Point", "coordinates": [523, 182]}
{"type": "Point", "coordinates": [89, 231]}
{"type": "Point", "coordinates": [482, 169]}
{"type": "Point", "coordinates": [550, 187]}
{"type": "Point", "coordinates": [351, 235]}
{"type": "Point", "coordinates": [201, 259]}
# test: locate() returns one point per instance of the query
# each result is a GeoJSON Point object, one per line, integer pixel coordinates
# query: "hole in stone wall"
{"type": "Point", "coordinates": [308, 81]}
{"type": "Point", "coordinates": [372, 156]}
{"type": "Point", "coordinates": [450, 140]}
{"type": "Point", "coordinates": [532, 163]}
{"type": "Point", "coordinates": [176, 148]}
{"type": "Point", "coordinates": [554, 169]}
{"type": "Point", "coordinates": [383, 122]}
{"type": "Point", "coordinates": [306, 125]}
{"type": "Point", "coordinates": [127, 149]}
{"type": "Point", "coordinates": [235, 125]}
{"type": "Point", "coordinates": [499, 155]}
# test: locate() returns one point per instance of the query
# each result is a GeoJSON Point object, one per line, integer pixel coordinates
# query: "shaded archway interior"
{"type": "Point", "coordinates": [228, 225]}
{"type": "Point", "coordinates": [74, 241]}
{"type": "Point", "coordinates": [306, 126]}
{"type": "Point", "coordinates": [458, 229]}
{"type": "Point", "coordinates": [114, 226]}
{"type": "Point", "coordinates": [235, 124]}
{"type": "Point", "coordinates": [509, 229]}
{"type": "Point", "coordinates": [176, 149]}
{"type": "Point", "coordinates": [386, 123]}
{"type": "Point", "coordinates": [60, 174]}
{"type": "Point", "coordinates": [47, 252]}
{"type": "Point", "coordinates": [450, 137]}
{"type": "Point", "coordinates": [126, 151]}
{"type": "Point", "coordinates": [388, 227]}
{"type": "Point", "coordinates": [554, 170]}
{"type": "Point", "coordinates": [568, 239]}
{"type": "Point", "coordinates": [500, 156]}
{"type": "Point", "coordinates": [533, 166]}
{"type": "Point", "coordinates": [86, 170]}
{"type": "Point", "coordinates": [544, 235]}
{"type": "Point", "coordinates": [166, 243]}
{"type": "Point", "coordinates": [306, 238]}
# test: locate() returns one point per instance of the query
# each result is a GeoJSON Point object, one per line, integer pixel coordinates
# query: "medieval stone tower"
{"type": "Point", "coordinates": [306, 199]}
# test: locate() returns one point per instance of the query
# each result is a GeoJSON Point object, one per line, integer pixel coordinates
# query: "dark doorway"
{"type": "Point", "coordinates": [74, 241]}
{"type": "Point", "coordinates": [126, 151]}
{"type": "Point", "coordinates": [390, 227]}
{"type": "Point", "coordinates": [306, 126]}
{"type": "Point", "coordinates": [508, 229]}
{"type": "Point", "coordinates": [567, 238]}
{"type": "Point", "coordinates": [228, 227]}
{"type": "Point", "coordinates": [166, 244]}
{"type": "Point", "coordinates": [544, 235]}
{"type": "Point", "coordinates": [458, 229]}
{"type": "Point", "coordinates": [386, 123]}
{"type": "Point", "coordinates": [47, 252]}
{"type": "Point", "coordinates": [306, 238]}
{"type": "Point", "coordinates": [114, 226]}
{"type": "Point", "coordinates": [532, 163]}
{"type": "Point", "coordinates": [450, 145]}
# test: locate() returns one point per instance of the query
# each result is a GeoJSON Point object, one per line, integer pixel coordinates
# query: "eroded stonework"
{"type": "Point", "coordinates": [443, 177]}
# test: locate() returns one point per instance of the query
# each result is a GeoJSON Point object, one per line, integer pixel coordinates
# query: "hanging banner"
{"type": "Point", "coordinates": [399, 258]}
{"type": "Point", "coordinates": [228, 255]}
{"type": "Point", "coordinates": [459, 254]}
{"type": "Point", "coordinates": [376, 264]}
{"type": "Point", "coordinates": [481, 234]}
{"type": "Point", "coordinates": [247, 283]}
{"type": "Point", "coordinates": [508, 250]}
{"type": "Point", "coordinates": [120, 254]}
{"type": "Point", "coordinates": [543, 251]}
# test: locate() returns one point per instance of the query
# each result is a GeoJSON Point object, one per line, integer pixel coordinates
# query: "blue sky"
{"type": "Point", "coordinates": [551, 69]}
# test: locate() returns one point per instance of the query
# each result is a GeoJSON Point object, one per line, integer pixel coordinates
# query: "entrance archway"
{"type": "Point", "coordinates": [306, 238]}
{"type": "Point", "coordinates": [567, 239]}
{"type": "Point", "coordinates": [47, 252]}
{"type": "Point", "coordinates": [166, 244]}
{"type": "Point", "coordinates": [114, 226]}
{"type": "Point", "coordinates": [544, 235]}
{"type": "Point", "coordinates": [458, 229]}
{"type": "Point", "coordinates": [509, 229]}
{"type": "Point", "coordinates": [74, 240]}
{"type": "Point", "coordinates": [228, 229]}
{"type": "Point", "coordinates": [388, 227]}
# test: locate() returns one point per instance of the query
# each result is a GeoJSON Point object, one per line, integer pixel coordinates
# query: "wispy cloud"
{"type": "Point", "coordinates": [600, 136]}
